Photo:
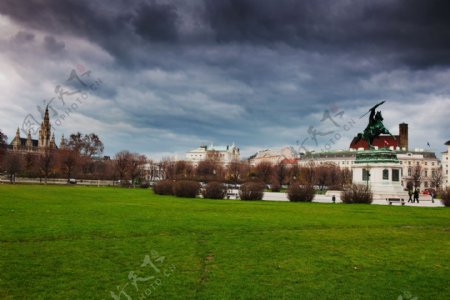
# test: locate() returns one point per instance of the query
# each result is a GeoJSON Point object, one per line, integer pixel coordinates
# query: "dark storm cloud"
{"type": "Point", "coordinates": [52, 45]}
{"type": "Point", "coordinates": [414, 31]}
{"type": "Point", "coordinates": [209, 68]}
{"type": "Point", "coordinates": [156, 22]}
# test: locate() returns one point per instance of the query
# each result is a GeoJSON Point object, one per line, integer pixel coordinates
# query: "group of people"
{"type": "Point", "coordinates": [414, 193]}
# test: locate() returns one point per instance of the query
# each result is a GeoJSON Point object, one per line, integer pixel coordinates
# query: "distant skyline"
{"type": "Point", "coordinates": [168, 76]}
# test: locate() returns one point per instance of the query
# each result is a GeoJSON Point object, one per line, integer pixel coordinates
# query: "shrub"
{"type": "Point", "coordinates": [163, 187]}
{"type": "Point", "coordinates": [300, 193]}
{"type": "Point", "coordinates": [252, 191]}
{"type": "Point", "coordinates": [215, 190]}
{"type": "Point", "coordinates": [445, 196]}
{"type": "Point", "coordinates": [357, 193]}
{"type": "Point", "coordinates": [186, 188]}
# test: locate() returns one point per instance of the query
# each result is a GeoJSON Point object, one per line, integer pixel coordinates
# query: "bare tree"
{"type": "Point", "coordinates": [88, 144]}
{"type": "Point", "coordinates": [417, 176]}
{"type": "Point", "coordinates": [321, 176]}
{"type": "Point", "coordinates": [68, 162]}
{"type": "Point", "coordinates": [280, 172]}
{"type": "Point", "coordinates": [308, 174]}
{"type": "Point", "coordinates": [234, 171]}
{"type": "Point", "coordinates": [183, 169]}
{"type": "Point", "coordinates": [205, 168]}
{"type": "Point", "coordinates": [122, 160]}
{"type": "Point", "coordinates": [436, 178]}
{"type": "Point", "coordinates": [136, 164]}
{"type": "Point", "coordinates": [46, 162]}
{"type": "Point", "coordinates": [30, 164]}
{"type": "Point", "coordinates": [167, 167]}
{"type": "Point", "coordinates": [3, 145]}
{"type": "Point", "coordinates": [12, 164]}
{"type": "Point", "coordinates": [93, 146]}
{"type": "Point", "coordinates": [264, 171]}
{"type": "Point", "coordinates": [76, 142]}
{"type": "Point", "coordinates": [3, 141]}
{"type": "Point", "coordinates": [294, 173]}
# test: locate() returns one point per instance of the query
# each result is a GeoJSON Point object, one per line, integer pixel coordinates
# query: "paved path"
{"type": "Point", "coordinates": [425, 200]}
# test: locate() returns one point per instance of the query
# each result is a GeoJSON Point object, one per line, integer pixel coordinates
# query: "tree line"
{"type": "Point", "coordinates": [81, 158]}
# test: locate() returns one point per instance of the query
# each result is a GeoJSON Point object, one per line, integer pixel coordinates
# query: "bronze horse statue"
{"type": "Point", "coordinates": [374, 128]}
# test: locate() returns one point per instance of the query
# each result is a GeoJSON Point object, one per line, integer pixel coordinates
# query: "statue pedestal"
{"type": "Point", "coordinates": [382, 171]}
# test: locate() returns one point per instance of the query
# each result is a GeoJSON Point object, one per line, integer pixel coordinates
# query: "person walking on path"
{"type": "Point", "coordinates": [410, 193]}
{"type": "Point", "coordinates": [416, 195]}
{"type": "Point", "coordinates": [432, 196]}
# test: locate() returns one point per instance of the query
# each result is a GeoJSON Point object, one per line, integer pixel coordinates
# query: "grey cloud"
{"type": "Point", "coordinates": [23, 37]}
{"type": "Point", "coordinates": [156, 22]}
{"type": "Point", "coordinates": [52, 45]}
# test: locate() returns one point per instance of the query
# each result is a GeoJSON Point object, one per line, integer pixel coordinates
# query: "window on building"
{"type": "Point", "coordinates": [365, 175]}
{"type": "Point", "coordinates": [433, 173]}
{"type": "Point", "coordinates": [385, 174]}
{"type": "Point", "coordinates": [426, 163]}
{"type": "Point", "coordinates": [426, 184]}
{"type": "Point", "coordinates": [409, 163]}
{"type": "Point", "coordinates": [395, 175]}
{"type": "Point", "coordinates": [426, 172]}
{"type": "Point", "coordinates": [409, 172]}
{"type": "Point", "coordinates": [417, 163]}
{"type": "Point", "coordinates": [432, 163]}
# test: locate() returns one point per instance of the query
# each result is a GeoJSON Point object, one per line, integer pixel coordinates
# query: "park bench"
{"type": "Point", "coordinates": [392, 200]}
{"type": "Point", "coordinates": [232, 195]}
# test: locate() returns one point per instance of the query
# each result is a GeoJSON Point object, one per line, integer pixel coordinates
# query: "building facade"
{"type": "Point", "coordinates": [445, 175]}
{"type": "Point", "coordinates": [411, 162]}
{"type": "Point", "coordinates": [221, 154]}
{"type": "Point", "coordinates": [275, 156]}
{"type": "Point", "coordinates": [45, 139]}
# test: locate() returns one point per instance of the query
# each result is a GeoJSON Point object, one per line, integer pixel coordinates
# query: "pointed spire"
{"type": "Point", "coordinates": [62, 145]}
{"type": "Point", "coordinates": [46, 116]}
{"type": "Point", "coordinates": [29, 143]}
{"type": "Point", "coordinates": [16, 141]}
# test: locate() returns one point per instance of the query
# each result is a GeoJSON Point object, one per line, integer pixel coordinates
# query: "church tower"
{"type": "Point", "coordinates": [52, 142]}
{"type": "Point", "coordinates": [16, 142]}
{"type": "Point", "coordinates": [62, 145]}
{"type": "Point", "coordinates": [29, 143]}
{"type": "Point", "coordinates": [45, 131]}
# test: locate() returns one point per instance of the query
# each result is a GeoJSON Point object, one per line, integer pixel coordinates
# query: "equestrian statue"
{"type": "Point", "coordinates": [374, 128]}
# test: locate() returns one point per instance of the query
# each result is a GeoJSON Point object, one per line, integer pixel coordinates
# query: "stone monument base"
{"type": "Point", "coordinates": [381, 171]}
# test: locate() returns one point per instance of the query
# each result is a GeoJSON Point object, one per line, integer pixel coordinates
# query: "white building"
{"type": "Point", "coordinates": [446, 178]}
{"type": "Point", "coordinates": [427, 161]}
{"type": "Point", "coordinates": [340, 158]}
{"type": "Point", "coordinates": [222, 154]}
{"type": "Point", "coordinates": [274, 156]}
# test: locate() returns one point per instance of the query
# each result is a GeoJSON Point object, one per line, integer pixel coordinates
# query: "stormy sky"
{"type": "Point", "coordinates": [163, 77]}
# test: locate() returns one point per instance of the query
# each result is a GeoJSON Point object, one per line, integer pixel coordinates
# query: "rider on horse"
{"type": "Point", "coordinates": [375, 127]}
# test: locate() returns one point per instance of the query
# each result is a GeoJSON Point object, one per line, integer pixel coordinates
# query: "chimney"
{"type": "Point", "coordinates": [403, 136]}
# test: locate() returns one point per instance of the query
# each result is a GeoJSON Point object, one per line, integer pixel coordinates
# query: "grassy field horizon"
{"type": "Point", "coordinates": [69, 242]}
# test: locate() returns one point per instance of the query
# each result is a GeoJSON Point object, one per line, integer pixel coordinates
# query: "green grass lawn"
{"type": "Point", "coordinates": [82, 243]}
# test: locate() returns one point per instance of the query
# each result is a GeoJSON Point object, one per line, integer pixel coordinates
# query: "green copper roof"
{"type": "Point", "coordinates": [376, 156]}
